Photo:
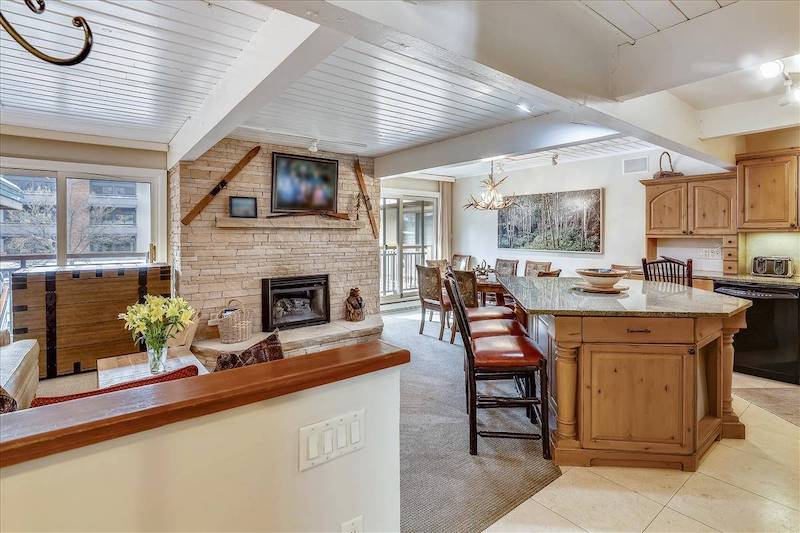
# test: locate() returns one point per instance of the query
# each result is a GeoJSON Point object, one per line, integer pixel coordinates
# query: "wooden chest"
{"type": "Point", "coordinates": [72, 311]}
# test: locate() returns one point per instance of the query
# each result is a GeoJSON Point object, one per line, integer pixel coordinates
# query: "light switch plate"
{"type": "Point", "coordinates": [324, 441]}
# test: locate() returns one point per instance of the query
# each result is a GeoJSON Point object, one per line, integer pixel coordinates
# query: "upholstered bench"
{"type": "Point", "coordinates": [19, 371]}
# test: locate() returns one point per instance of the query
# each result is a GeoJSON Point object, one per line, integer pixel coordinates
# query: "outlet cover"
{"type": "Point", "coordinates": [356, 525]}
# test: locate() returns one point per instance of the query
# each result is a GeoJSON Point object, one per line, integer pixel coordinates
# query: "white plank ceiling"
{"type": "Point", "coordinates": [152, 65]}
{"type": "Point", "coordinates": [376, 101]}
{"type": "Point", "coordinates": [635, 19]}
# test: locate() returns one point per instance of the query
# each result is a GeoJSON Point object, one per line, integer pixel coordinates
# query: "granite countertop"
{"type": "Point", "coordinates": [748, 278]}
{"type": "Point", "coordinates": [555, 296]}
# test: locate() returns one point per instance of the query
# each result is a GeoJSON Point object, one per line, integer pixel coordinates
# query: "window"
{"type": "Point", "coordinates": [106, 223]}
{"type": "Point", "coordinates": [31, 230]}
{"type": "Point", "coordinates": [68, 218]}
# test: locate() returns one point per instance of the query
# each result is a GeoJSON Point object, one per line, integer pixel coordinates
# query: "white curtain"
{"type": "Point", "coordinates": [445, 220]}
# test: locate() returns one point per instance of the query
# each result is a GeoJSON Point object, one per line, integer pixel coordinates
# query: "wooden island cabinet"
{"type": "Point", "coordinates": [637, 379]}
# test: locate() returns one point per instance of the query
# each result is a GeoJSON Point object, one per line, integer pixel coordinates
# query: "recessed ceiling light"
{"type": "Point", "coordinates": [493, 158]}
{"type": "Point", "coordinates": [772, 69]}
{"type": "Point", "coordinates": [522, 106]}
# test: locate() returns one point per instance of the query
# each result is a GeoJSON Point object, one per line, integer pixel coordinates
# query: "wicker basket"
{"type": "Point", "coordinates": [666, 173]}
{"type": "Point", "coordinates": [235, 323]}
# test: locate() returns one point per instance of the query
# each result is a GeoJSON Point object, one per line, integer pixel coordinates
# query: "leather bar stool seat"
{"type": "Point", "coordinates": [505, 352]}
{"type": "Point", "coordinates": [489, 313]}
{"type": "Point", "coordinates": [496, 328]}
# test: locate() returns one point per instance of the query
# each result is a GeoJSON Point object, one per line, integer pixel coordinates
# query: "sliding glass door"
{"type": "Point", "coordinates": [408, 238]}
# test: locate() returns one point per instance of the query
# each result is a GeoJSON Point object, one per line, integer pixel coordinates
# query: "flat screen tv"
{"type": "Point", "coordinates": [303, 183]}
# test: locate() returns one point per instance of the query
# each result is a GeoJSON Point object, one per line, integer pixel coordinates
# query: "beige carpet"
{"type": "Point", "coordinates": [72, 384]}
{"type": "Point", "coordinates": [442, 487]}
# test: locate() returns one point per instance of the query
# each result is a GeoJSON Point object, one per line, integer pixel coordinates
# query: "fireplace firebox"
{"type": "Point", "coordinates": [294, 302]}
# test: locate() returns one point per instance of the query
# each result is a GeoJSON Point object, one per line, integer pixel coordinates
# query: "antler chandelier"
{"type": "Point", "coordinates": [491, 199]}
{"type": "Point", "coordinates": [78, 22]}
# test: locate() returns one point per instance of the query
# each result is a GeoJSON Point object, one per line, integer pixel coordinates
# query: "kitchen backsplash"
{"type": "Point", "coordinates": [785, 244]}
{"type": "Point", "coordinates": [706, 254]}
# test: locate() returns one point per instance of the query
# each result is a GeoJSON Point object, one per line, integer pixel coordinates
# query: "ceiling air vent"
{"type": "Point", "coordinates": [632, 166]}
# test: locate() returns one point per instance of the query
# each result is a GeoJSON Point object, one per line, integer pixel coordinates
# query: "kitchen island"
{"type": "Point", "coordinates": [641, 378]}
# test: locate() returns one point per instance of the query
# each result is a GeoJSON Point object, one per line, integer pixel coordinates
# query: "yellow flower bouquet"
{"type": "Point", "coordinates": [156, 321]}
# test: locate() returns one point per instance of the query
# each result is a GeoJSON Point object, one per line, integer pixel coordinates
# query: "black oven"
{"type": "Point", "coordinates": [770, 346]}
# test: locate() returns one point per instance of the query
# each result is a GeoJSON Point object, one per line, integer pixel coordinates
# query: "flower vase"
{"type": "Point", "coordinates": [157, 359]}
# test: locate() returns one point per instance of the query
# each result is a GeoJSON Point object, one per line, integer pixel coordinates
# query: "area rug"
{"type": "Point", "coordinates": [783, 402]}
{"type": "Point", "coordinates": [442, 486]}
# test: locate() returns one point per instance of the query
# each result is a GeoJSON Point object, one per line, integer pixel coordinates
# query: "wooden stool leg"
{"type": "Point", "coordinates": [473, 417]}
{"type": "Point", "coordinates": [442, 319]}
{"type": "Point", "coordinates": [422, 321]}
{"type": "Point", "coordinates": [453, 331]}
{"type": "Point", "coordinates": [545, 409]}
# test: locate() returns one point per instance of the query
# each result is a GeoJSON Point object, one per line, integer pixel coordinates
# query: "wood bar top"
{"type": "Point", "coordinates": [38, 432]}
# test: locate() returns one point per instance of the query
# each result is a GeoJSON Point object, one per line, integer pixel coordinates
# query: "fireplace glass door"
{"type": "Point", "coordinates": [294, 302]}
{"type": "Point", "coordinates": [408, 238]}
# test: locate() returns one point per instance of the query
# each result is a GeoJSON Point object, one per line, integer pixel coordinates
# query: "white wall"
{"type": "Point", "coordinates": [475, 232]}
{"type": "Point", "coordinates": [236, 470]}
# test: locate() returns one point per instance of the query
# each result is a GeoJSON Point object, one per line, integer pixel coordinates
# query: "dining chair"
{"type": "Point", "coordinates": [502, 357]}
{"type": "Point", "coordinates": [441, 264]}
{"type": "Point", "coordinates": [431, 297]}
{"type": "Point", "coordinates": [669, 270]}
{"type": "Point", "coordinates": [548, 273]}
{"type": "Point", "coordinates": [506, 267]}
{"type": "Point", "coordinates": [461, 262]}
{"type": "Point", "coordinates": [468, 287]}
{"type": "Point", "coordinates": [532, 268]}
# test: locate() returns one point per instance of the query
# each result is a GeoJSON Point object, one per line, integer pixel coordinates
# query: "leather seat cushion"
{"type": "Point", "coordinates": [505, 352]}
{"type": "Point", "coordinates": [494, 328]}
{"type": "Point", "coordinates": [489, 313]}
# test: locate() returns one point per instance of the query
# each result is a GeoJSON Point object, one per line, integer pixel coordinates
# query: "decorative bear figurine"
{"type": "Point", "coordinates": [355, 306]}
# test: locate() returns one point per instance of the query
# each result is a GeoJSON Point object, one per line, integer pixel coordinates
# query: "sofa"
{"type": "Point", "coordinates": [19, 371]}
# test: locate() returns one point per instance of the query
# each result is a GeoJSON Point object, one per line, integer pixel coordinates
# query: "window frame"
{"type": "Point", "coordinates": [62, 170]}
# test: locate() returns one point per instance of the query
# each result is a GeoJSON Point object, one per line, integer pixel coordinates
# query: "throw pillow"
{"type": "Point", "coordinates": [269, 349]}
{"type": "Point", "coordinates": [7, 402]}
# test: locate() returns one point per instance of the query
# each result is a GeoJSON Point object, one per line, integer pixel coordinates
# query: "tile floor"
{"type": "Point", "coordinates": [750, 485]}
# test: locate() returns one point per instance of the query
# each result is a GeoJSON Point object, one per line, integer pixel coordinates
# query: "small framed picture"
{"type": "Point", "coordinates": [243, 207]}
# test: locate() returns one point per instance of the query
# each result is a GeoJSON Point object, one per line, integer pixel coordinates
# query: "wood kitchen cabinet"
{"type": "Point", "coordinates": [712, 207]}
{"type": "Point", "coordinates": [691, 205]}
{"type": "Point", "coordinates": [667, 209]}
{"type": "Point", "coordinates": [768, 191]}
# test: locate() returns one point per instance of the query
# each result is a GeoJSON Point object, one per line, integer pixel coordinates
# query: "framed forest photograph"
{"type": "Point", "coordinates": [569, 221]}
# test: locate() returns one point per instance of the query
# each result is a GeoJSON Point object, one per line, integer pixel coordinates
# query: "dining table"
{"type": "Point", "coordinates": [490, 284]}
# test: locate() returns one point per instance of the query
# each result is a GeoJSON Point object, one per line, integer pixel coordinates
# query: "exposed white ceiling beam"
{"type": "Point", "coordinates": [748, 117]}
{"type": "Point", "coordinates": [738, 36]}
{"type": "Point", "coordinates": [519, 137]}
{"type": "Point", "coordinates": [665, 120]}
{"type": "Point", "coordinates": [284, 49]}
{"type": "Point", "coordinates": [553, 46]}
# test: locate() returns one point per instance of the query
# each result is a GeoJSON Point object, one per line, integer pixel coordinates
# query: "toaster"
{"type": "Point", "coordinates": [772, 266]}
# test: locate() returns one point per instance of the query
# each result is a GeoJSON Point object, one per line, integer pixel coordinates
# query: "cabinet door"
{"type": "Point", "coordinates": [712, 207]}
{"type": "Point", "coordinates": [768, 193]}
{"type": "Point", "coordinates": [666, 209]}
{"type": "Point", "coordinates": [637, 397]}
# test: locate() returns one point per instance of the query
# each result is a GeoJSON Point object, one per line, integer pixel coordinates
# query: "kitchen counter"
{"type": "Point", "coordinates": [641, 378]}
{"type": "Point", "coordinates": [748, 278]}
{"type": "Point", "coordinates": [555, 296]}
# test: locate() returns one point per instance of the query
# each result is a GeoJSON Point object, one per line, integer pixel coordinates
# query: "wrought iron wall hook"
{"type": "Point", "coordinates": [79, 22]}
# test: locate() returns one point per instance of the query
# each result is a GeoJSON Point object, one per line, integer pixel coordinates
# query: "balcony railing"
{"type": "Point", "coordinates": [390, 277]}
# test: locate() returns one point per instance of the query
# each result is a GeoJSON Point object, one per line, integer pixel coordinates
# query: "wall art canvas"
{"type": "Point", "coordinates": [569, 221]}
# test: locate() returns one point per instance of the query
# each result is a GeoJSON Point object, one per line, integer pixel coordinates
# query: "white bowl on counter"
{"type": "Point", "coordinates": [604, 278]}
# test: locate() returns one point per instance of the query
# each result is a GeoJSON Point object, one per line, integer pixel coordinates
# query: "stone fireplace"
{"type": "Point", "coordinates": [294, 302]}
{"type": "Point", "coordinates": [217, 258]}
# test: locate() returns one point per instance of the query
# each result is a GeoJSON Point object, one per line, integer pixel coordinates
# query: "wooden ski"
{"type": "Point", "coordinates": [367, 202]}
{"type": "Point", "coordinates": [196, 210]}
